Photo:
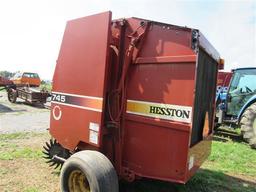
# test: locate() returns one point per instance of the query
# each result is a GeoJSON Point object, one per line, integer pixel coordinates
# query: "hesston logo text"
{"type": "Point", "coordinates": [169, 112]}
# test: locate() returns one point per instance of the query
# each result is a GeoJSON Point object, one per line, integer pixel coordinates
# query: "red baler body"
{"type": "Point", "coordinates": [141, 92]}
{"type": "Point", "coordinates": [224, 78]}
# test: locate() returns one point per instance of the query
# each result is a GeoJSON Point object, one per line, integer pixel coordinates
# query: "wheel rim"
{"type": "Point", "coordinates": [77, 182]}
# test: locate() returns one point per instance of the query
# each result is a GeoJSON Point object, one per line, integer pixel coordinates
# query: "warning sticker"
{"type": "Point", "coordinates": [94, 126]}
{"type": "Point", "coordinates": [191, 162]}
{"type": "Point", "coordinates": [93, 132]}
{"type": "Point", "coordinates": [93, 138]}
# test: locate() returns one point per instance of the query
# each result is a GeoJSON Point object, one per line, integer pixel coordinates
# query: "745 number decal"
{"type": "Point", "coordinates": [58, 98]}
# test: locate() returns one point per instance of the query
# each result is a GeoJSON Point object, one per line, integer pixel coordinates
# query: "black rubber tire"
{"type": "Point", "coordinates": [12, 95]}
{"type": "Point", "coordinates": [248, 127]}
{"type": "Point", "coordinates": [97, 169]}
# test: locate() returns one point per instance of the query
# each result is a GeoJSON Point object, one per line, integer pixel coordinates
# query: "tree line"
{"type": "Point", "coordinates": [7, 74]}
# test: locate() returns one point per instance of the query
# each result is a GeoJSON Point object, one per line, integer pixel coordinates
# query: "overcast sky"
{"type": "Point", "coordinates": [31, 30]}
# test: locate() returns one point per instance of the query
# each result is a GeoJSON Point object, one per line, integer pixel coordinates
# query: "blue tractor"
{"type": "Point", "coordinates": [238, 105]}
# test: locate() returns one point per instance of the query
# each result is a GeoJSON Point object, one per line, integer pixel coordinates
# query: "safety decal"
{"type": "Point", "coordinates": [160, 110]}
{"type": "Point", "coordinates": [191, 162]}
{"type": "Point", "coordinates": [94, 132]}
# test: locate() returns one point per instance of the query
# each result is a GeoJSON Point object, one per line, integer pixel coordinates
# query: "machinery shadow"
{"type": "Point", "coordinates": [224, 135]}
{"type": "Point", "coordinates": [36, 105]}
{"type": "Point", "coordinates": [204, 180]}
{"type": "Point", "coordinates": [5, 109]}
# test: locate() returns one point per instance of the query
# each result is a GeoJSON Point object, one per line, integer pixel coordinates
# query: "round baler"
{"type": "Point", "coordinates": [131, 98]}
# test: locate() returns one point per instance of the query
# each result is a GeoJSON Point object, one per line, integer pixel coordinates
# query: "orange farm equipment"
{"type": "Point", "coordinates": [26, 87]}
{"type": "Point", "coordinates": [26, 78]}
{"type": "Point", "coordinates": [131, 98]}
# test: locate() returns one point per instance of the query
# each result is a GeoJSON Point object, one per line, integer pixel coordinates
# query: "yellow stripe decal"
{"type": "Point", "coordinates": [160, 110]}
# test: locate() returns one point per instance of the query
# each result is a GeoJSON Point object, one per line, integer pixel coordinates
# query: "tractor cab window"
{"type": "Point", "coordinates": [242, 88]}
{"type": "Point", "coordinates": [243, 81]}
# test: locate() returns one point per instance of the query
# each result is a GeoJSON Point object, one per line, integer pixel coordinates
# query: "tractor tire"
{"type": "Point", "coordinates": [88, 171]}
{"type": "Point", "coordinates": [248, 125]}
{"type": "Point", "coordinates": [12, 95]}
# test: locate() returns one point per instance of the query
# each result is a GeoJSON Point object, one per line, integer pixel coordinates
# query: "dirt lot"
{"type": "Point", "coordinates": [21, 117]}
{"type": "Point", "coordinates": [231, 166]}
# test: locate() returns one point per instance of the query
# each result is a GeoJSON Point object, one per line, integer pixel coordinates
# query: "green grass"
{"type": "Point", "coordinates": [10, 150]}
{"type": "Point", "coordinates": [20, 135]}
{"type": "Point", "coordinates": [31, 189]}
{"type": "Point", "coordinates": [208, 180]}
{"type": "Point", "coordinates": [229, 159]}
{"type": "Point", "coordinates": [229, 168]}
{"type": "Point", "coordinates": [15, 153]}
{"type": "Point", "coordinates": [232, 157]}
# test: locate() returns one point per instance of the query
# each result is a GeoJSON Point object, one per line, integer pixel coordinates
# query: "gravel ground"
{"type": "Point", "coordinates": [21, 117]}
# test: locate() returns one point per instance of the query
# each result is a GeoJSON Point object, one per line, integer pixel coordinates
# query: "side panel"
{"type": "Point", "coordinates": [157, 133]}
{"type": "Point", "coordinates": [79, 81]}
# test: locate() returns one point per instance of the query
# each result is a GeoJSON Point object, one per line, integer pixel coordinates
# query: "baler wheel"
{"type": "Point", "coordinates": [88, 171]}
{"type": "Point", "coordinates": [52, 149]}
